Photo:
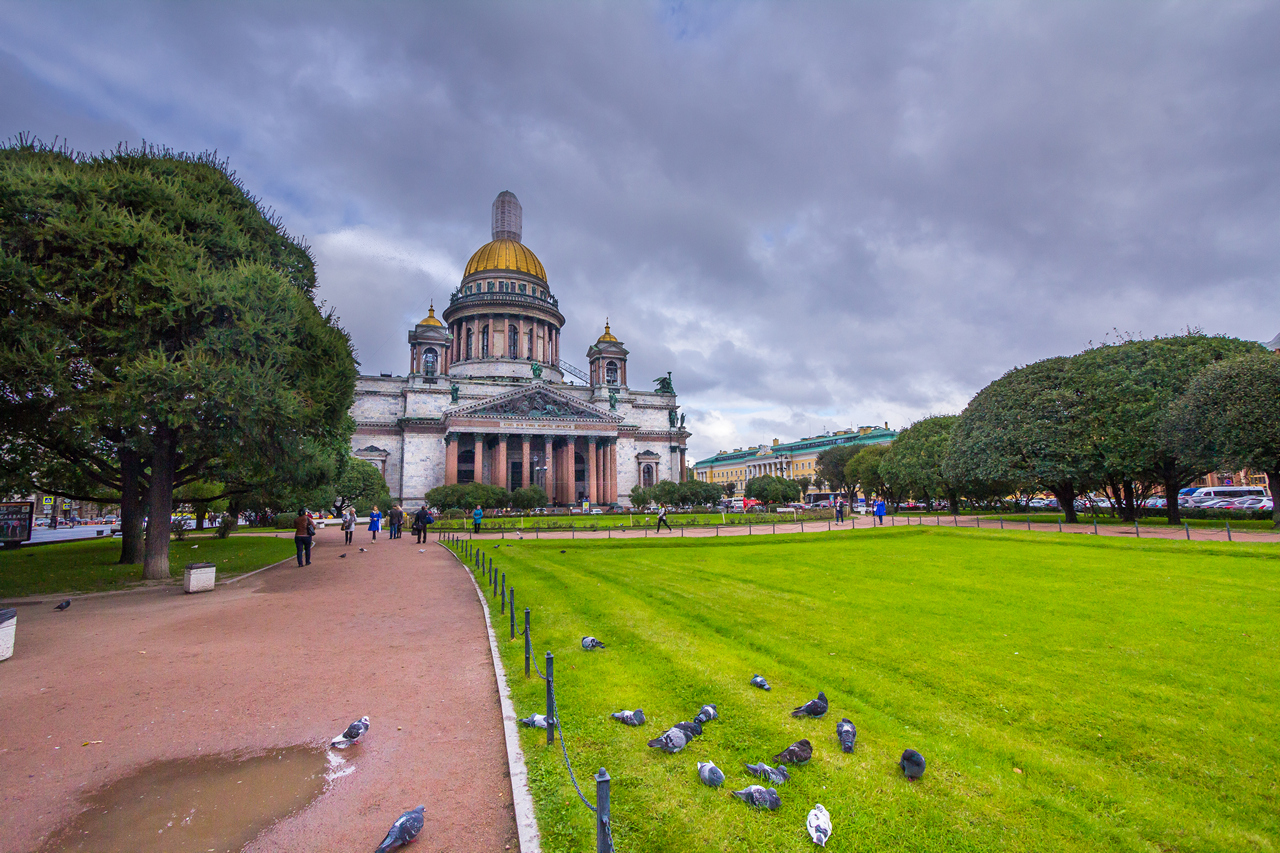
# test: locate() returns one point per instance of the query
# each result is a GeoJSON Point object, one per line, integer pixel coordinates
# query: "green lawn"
{"type": "Point", "coordinates": [1133, 683]}
{"type": "Point", "coordinates": [627, 520]}
{"type": "Point", "coordinates": [89, 565]}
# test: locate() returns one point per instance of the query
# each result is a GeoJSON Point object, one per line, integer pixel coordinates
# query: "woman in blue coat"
{"type": "Point", "coordinates": [375, 522]}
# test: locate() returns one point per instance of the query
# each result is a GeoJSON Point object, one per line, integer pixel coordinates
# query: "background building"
{"type": "Point", "coordinates": [489, 399]}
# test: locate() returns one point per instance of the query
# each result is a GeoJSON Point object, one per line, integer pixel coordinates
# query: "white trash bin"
{"type": "Point", "coordinates": [199, 577]}
{"type": "Point", "coordinates": [8, 630]}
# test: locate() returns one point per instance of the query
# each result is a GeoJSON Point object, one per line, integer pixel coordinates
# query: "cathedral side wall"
{"type": "Point", "coordinates": [423, 466]}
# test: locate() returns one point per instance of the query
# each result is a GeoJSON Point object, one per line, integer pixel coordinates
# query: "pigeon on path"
{"type": "Point", "coordinates": [590, 643]}
{"type": "Point", "coordinates": [631, 718]}
{"type": "Point", "coordinates": [848, 734]}
{"type": "Point", "coordinates": [362, 550]}
{"type": "Point", "coordinates": [912, 764]}
{"type": "Point", "coordinates": [342, 555]}
{"type": "Point", "coordinates": [819, 825]}
{"type": "Point", "coordinates": [64, 605]}
{"type": "Point", "coordinates": [761, 798]}
{"type": "Point", "coordinates": [693, 729]}
{"type": "Point", "coordinates": [812, 708]}
{"type": "Point", "coordinates": [672, 740]}
{"type": "Point", "coordinates": [403, 831]}
{"type": "Point", "coordinates": [535, 721]}
{"type": "Point", "coordinates": [758, 681]}
{"type": "Point", "coordinates": [776, 775]}
{"type": "Point", "coordinates": [354, 732]}
{"type": "Point", "coordinates": [798, 753]}
{"type": "Point", "coordinates": [707, 714]}
{"type": "Point", "coordinates": [711, 776]}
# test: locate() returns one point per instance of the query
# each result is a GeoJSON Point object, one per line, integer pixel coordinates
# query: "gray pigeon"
{"type": "Point", "coordinates": [758, 681]}
{"type": "Point", "coordinates": [535, 721]}
{"type": "Point", "coordinates": [403, 831]}
{"type": "Point", "coordinates": [812, 708]}
{"type": "Point", "coordinates": [776, 775]}
{"type": "Point", "coordinates": [631, 718]}
{"type": "Point", "coordinates": [693, 729]}
{"type": "Point", "coordinates": [354, 732]}
{"type": "Point", "coordinates": [590, 643]}
{"type": "Point", "coordinates": [798, 753]}
{"type": "Point", "coordinates": [848, 734]}
{"type": "Point", "coordinates": [761, 798]}
{"type": "Point", "coordinates": [362, 550]}
{"type": "Point", "coordinates": [912, 764]}
{"type": "Point", "coordinates": [64, 605]}
{"type": "Point", "coordinates": [672, 740]}
{"type": "Point", "coordinates": [710, 775]}
{"type": "Point", "coordinates": [342, 555]}
{"type": "Point", "coordinates": [707, 714]}
{"type": "Point", "coordinates": [819, 825]}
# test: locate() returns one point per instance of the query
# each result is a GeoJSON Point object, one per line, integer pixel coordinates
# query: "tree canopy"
{"type": "Point", "coordinates": [913, 464]}
{"type": "Point", "coordinates": [773, 490]}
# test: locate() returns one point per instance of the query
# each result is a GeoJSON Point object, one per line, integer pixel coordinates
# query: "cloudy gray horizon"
{"type": "Point", "coordinates": [814, 215]}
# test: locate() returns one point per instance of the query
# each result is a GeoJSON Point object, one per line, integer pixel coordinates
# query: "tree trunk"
{"type": "Point", "coordinates": [202, 509]}
{"type": "Point", "coordinates": [160, 504]}
{"type": "Point", "coordinates": [953, 501]}
{"type": "Point", "coordinates": [132, 498]}
{"type": "Point", "coordinates": [1130, 502]}
{"type": "Point", "coordinates": [1172, 512]}
{"type": "Point", "coordinates": [1066, 495]}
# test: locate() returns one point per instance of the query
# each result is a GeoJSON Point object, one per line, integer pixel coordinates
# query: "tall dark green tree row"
{"type": "Point", "coordinates": [158, 328]}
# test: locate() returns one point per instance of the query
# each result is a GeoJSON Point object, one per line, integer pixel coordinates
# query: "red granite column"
{"type": "Point", "coordinates": [503, 472]}
{"type": "Point", "coordinates": [592, 494]}
{"type": "Point", "coordinates": [450, 459]}
{"type": "Point", "coordinates": [613, 471]}
{"type": "Point", "coordinates": [548, 478]}
{"type": "Point", "coordinates": [524, 461]}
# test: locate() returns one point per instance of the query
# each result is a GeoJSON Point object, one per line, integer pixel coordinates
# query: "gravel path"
{"type": "Point", "coordinates": [286, 657]}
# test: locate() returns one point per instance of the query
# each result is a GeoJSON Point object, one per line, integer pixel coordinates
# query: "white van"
{"type": "Point", "coordinates": [1216, 493]}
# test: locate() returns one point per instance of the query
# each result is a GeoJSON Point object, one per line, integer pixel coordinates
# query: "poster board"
{"type": "Point", "coordinates": [15, 520]}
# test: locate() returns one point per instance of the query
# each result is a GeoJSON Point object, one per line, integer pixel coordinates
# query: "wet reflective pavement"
{"type": "Point", "coordinates": [209, 803]}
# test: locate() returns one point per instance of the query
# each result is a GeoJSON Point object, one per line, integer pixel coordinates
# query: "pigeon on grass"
{"type": "Point", "coordinates": [812, 708]}
{"type": "Point", "coordinates": [693, 729]}
{"type": "Point", "coordinates": [354, 732]}
{"type": "Point", "coordinates": [761, 798]}
{"type": "Point", "coordinates": [64, 605]}
{"type": "Point", "coordinates": [590, 643]}
{"type": "Point", "coordinates": [847, 732]}
{"type": "Point", "coordinates": [403, 831]}
{"type": "Point", "coordinates": [535, 721]}
{"type": "Point", "coordinates": [912, 764]}
{"type": "Point", "coordinates": [711, 776]}
{"type": "Point", "coordinates": [798, 753]}
{"type": "Point", "coordinates": [758, 681]}
{"type": "Point", "coordinates": [819, 825]}
{"type": "Point", "coordinates": [776, 775]}
{"type": "Point", "coordinates": [631, 718]}
{"type": "Point", "coordinates": [672, 740]}
{"type": "Point", "coordinates": [706, 714]}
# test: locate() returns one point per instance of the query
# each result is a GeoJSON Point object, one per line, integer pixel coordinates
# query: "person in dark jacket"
{"type": "Point", "coordinates": [421, 519]}
{"type": "Point", "coordinates": [303, 530]}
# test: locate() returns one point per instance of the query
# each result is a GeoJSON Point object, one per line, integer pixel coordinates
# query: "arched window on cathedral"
{"type": "Point", "coordinates": [484, 342]}
{"type": "Point", "coordinates": [611, 373]}
{"type": "Point", "coordinates": [513, 341]}
{"type": "Point", "coordinates": [646, 478]}
{"type": "Point", "coordinates": [529, 345]}
{"type": "Point", "coordinates": [429, 361]}
{"type": "Point", "coordinates": [470, 336]}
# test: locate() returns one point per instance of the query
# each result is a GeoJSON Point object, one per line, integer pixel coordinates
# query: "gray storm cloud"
{"type": "Point", "coordinates": [813, 214]}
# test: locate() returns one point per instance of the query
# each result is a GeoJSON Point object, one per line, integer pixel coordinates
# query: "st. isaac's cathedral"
{"type": "Point", "coordinates": [488, 398]}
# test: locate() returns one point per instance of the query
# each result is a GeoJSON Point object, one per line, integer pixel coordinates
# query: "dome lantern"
{"type": "Point", "coordinates": [507, 217]}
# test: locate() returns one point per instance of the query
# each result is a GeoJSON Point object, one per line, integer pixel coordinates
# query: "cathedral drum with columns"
{"type": "Point", "coordinates": [488, 398]}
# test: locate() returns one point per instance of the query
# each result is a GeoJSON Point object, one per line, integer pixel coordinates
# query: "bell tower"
{"type": "Point", "coordinates": [608, 360]}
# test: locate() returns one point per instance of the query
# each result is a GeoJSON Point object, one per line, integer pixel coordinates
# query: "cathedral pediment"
{"type": "Point", "coordinates": [539, 403]}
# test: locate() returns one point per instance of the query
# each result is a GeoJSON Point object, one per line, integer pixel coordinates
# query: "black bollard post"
{"type": "Point", "coordinates": [493, 577]}
{"type": "Point", "coordinates": [1187, 527]}
{"type": "Point", "coordinates": [511, 591]}
{"type": "Point", "coordinates": [551, 699]}
{"type": "Point", "coordinates": [1028, 523]}
{"type": "Point", "coordinates": [502, 608]}
{"type": "Point", "coordinates": [977, 521]}
{"type": "Point", "coordinates": [1136, 531]}
{"type": "Point", "coordinates": [1095, 525]}
{"type": "Point", "coordinates": [1228, 531]}
{"type": "Point", "coordinates": [604, 839]}
{"type": "Point", "coordinates": [528, 643]}
{"type": "Point", "coordinates": [1002, 522]}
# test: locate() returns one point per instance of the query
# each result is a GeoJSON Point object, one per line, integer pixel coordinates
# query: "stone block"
{"type": "Point", "coordinates": [199, 577]}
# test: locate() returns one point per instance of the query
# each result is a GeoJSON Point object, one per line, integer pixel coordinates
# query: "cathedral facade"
{"type": "Point", "coordinates": [488, 398]}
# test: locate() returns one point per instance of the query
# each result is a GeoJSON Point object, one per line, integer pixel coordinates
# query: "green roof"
{"type": "Point", "coordinates": [878, 435]}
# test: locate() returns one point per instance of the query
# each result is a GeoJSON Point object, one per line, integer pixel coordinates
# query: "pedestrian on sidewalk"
{"type": "Point", "coordinates": [662, 519]}
{"type": "Point", "coordinates": [348, 524]}
{"type": "Point", "coordinates": [303, 530]}
{"type": "Point", "coordinates": [421, 519]}
{"type": "Point", "coordinates": [839, 511]}
{"type": "Point", "coordinates": [880, 512]}
{"type": "Point", "coordinates": [477, 516]}
{"type": "Point", "coordinates": [375, 523]}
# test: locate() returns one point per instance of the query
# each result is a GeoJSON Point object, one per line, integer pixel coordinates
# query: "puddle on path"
{"type": "Point", "coordinates": [195, 805]}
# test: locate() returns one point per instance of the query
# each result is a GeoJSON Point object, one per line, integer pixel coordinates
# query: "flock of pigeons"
{"type": "Point", "coordinates": [409, 824]}
{"type": "Point", "coordinates": [680, 735]}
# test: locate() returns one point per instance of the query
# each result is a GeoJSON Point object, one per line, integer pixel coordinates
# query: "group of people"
{"type": "Point", "coordinates": [418, 523]}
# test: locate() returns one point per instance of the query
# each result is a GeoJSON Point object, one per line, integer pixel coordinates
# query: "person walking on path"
{"type": "Point", "coordinates": [662, 519]}
{"type": "Point", "coordinates": [303, 530]}
{"type": "Point", "coordinates": [395, 520]}
{"type": "Point", "coordinates": [348, 524]}
{"type": "Point", "coordinates": [839, 511]}
{"type": "Point", "coordinates": [477, 516]}
{"type": "Point", "coordinates": [880, 512]}
{"type": "Point", "coordinates": [375, 523]}
{"type": "Point", "coordinates": [421, 519]}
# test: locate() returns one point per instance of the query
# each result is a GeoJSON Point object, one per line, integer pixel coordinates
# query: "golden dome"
{"type": "Point", "coordinates": [506, 255]}
{"type": "Point", "coordinates": [430, 319]}
{"type": "Point", "coordinates": [607, 337]}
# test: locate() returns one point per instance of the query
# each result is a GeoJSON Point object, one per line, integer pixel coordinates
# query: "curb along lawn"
{"type": "Point", "coordinates": [1133, 684]}
{"type": "Point", "coordinates": [89, 565]}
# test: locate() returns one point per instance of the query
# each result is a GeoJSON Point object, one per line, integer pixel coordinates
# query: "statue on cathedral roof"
{"type": "Point", "coordinates": [664, 384]}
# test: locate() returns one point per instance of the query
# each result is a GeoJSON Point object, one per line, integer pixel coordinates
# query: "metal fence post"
{"type": "Point", "coordinates": [1187, 527]}
{"type": "Point", "coordinates": [1095, 525]}
{"type": "Point", "coordinates": [493, 577]}
{"type": "Point", "coordinates": [1002, 522]}
{"type": "Point", "coordinates": [1136, 531]}
{"type": "Point", "coordinates": [1028, 524]}
{"type": "Point", "coordinates": [528, 643]}
{"type": "Point", "coordinates": [603, 835]}
{"type": "Point", "coordinates": [1228, 530]}
{"type": "Point", "coordinates": [511, 591]}
{"type": "Point", "coordinates": [502, 608]}
{"type": "Point", "coordinates": [551, 699]}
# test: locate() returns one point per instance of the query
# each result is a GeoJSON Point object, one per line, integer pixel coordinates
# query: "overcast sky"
{"type": "Point", "coordinates": [815, 215]}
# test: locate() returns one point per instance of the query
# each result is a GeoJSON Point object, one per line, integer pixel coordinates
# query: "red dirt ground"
{"type": "Point", "coordinates": [288, 656]}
